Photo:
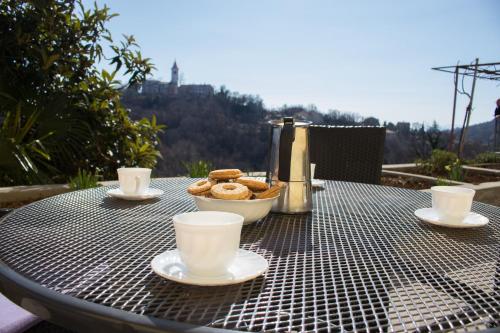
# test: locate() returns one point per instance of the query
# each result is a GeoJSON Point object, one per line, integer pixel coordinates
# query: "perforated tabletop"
{"type": "Point", "coordinates": [360, 262]}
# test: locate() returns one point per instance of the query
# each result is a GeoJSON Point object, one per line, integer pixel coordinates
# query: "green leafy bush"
{"type": "Point", "coordinates": [487, 157]}
{"type": "Point", "coordinates": [455, 171]}
{"type": "Point", "coordinates": [199, 169]}
{"type": "Point", "coordinates": [83, 180]}
{"type": "Point", "coordinates": [437, 163]}
{"type": "Point", "coordinates": [58, 111]}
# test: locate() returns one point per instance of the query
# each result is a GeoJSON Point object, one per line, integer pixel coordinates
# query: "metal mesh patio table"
{"type": "Point", "coordinates": [361, 261]}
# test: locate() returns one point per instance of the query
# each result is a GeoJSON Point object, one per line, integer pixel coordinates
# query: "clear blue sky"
{"type": "Point", "coordinates": [368, 57]}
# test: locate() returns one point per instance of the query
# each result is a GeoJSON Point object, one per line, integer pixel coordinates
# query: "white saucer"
{"type": "Point", "coordinates": [317, 182]}
{"type": "Point", "coordinates": [472, 220]}
{"type": "Point", "coordinates": [150, 193]}
{"type": "Point", "coordinates": [246, 266]}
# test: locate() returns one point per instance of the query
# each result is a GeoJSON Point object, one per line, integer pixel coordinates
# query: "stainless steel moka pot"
{"type": "Point", "coordinates": [289, 165]}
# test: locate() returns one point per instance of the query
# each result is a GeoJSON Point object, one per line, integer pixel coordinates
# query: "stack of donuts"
{"type": "Point", "coordinates": [228, 184]}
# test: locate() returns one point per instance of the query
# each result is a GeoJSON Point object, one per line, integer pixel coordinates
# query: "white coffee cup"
{"type": "Point", "coordinates": [452, 203]}
{"type": "Point", "coordinates": [313, 168]}
{"type": "Point", "coordinates": [208, 241]}
{"type": "Point", "coordinates": [134, 180]}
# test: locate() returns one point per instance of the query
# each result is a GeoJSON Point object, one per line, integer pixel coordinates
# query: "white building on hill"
{"type": "Point", "coordinates": [172, 88]}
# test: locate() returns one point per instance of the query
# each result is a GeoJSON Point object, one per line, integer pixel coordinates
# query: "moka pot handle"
{"type": "Point", "coordinates": [287, 138]}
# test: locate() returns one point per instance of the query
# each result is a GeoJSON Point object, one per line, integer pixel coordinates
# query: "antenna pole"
{"type": "Point", "coordinates": [452, 131]}
{"type": "Point", "coordinates": [468, 112]}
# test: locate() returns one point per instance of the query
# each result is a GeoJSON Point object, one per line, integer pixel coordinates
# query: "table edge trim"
{"type": "Point", "coordinates": [27, 289]}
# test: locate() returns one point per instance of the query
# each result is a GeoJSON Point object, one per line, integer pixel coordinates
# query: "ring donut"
{"type": "Point", "coordinates": [199, 187]}
{"type": "Point", "coordinates": [253, 184]}
{"type": "Point", "coordinates": [229, 191]}
{"type": "Point", "coordinates": [273, 192]}
{"type": "Point", "coordinates": [225, 174]}
{"type": "Point", "coordinates": [249, 195]}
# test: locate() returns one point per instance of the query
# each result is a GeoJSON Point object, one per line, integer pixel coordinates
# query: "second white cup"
{"type": "Point", "coordinates": [208, 241]}
{"type": "Point", "coordinates": [452, 203]}
{"type": "Point", "coordinates": [134, 180]}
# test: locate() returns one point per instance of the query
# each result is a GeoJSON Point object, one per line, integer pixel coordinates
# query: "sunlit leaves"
{"type": "Point", "coordinates": [59, 112]}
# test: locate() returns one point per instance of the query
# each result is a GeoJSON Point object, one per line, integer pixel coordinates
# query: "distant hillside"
{"type": "Point", "coordinates": [479, 137]}
{"type": "Point", "coordinates": [231, 130]}
{"type": "Point", "coordinates": [226, 130]}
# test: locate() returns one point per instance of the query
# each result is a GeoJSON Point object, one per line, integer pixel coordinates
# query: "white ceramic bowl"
{"type": "Point", "coordinates": [251, 210]}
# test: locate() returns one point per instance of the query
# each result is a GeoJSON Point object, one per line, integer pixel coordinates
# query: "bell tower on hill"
{"type": "Point", "coordinates": [174, 88]}
{"type": "Point", "coordinates": [175, 75]}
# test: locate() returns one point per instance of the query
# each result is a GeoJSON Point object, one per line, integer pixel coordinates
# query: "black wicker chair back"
{"type": "Point", "coordinates": [349, 153]}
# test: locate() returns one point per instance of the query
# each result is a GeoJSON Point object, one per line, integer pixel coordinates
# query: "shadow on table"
{"type": "Point", "coordinates": [118, 204]}
{"type": "Point", "coordinates": [208, 306]}
{"type": "Point", "coordinates": [477, 236]}
{"type": "Point", "coordinates": [280, 234]}
{"type": "Point", "coordinates": [318, 189]}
